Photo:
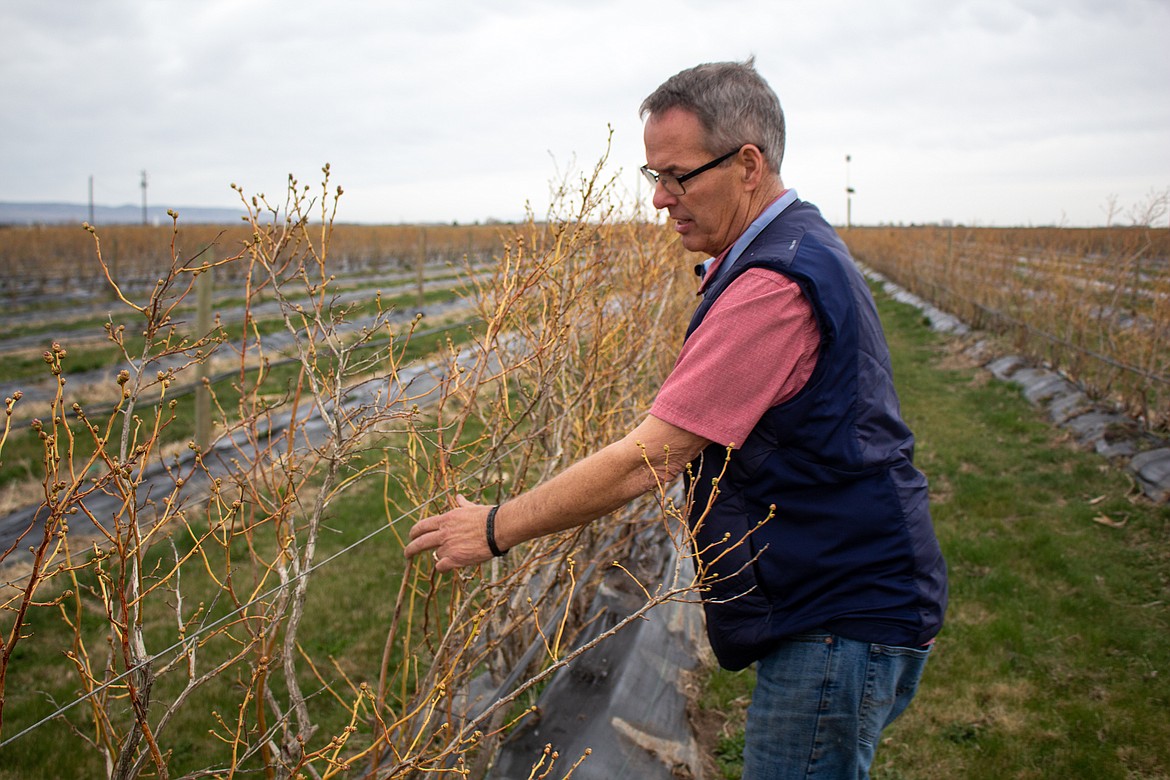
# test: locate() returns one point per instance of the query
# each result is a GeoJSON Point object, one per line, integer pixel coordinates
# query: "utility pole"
{"type": "Point", "coordinates": [848, 195]}
{"type": "Point", "coordinates": [421, 267]}
{"type": "Point", "coordinates": [144, 220]}
{"type": "Point", "coordinates": [91, 199]}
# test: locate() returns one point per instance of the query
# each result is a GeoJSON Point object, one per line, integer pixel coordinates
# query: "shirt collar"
{"type": "Point", "coordinates": [715, 267]}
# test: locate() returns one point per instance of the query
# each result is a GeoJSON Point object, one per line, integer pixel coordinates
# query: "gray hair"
{"type": "Point", "coordinates": [733, 103]}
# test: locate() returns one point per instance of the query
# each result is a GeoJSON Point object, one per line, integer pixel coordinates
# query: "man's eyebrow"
{"type": "Point", "coordinates": [670, 169]}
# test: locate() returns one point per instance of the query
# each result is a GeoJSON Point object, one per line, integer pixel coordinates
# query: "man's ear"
{"type": "Point", "coordinates": [755, 167]}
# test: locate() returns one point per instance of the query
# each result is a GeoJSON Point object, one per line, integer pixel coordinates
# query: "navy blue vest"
{"type": "Point", "coordinates": [820, 519]}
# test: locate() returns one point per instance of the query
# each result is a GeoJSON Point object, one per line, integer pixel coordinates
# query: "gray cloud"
{"type": "Point", "coordinates": [996, 112]}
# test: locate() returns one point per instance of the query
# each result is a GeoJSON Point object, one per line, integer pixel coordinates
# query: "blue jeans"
{"type": "Point", "coordinates": [820, 704]}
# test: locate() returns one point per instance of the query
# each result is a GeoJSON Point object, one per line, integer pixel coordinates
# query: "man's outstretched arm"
{"type": "Point", "coordinates": [590, 488]}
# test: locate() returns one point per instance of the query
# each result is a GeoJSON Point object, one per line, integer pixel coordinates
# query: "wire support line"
{"type": "Point", "coordinates": [1053, 338]}
{"type": "Point", "coordinates": [235, 612]}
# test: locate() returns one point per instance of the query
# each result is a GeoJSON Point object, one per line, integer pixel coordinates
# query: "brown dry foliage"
{"type": "Point", "coordinates": [43, 259]}
{"type": "Point", "coordinates": [580, 319]}
{"type": "Point", "coordinates": [1094, 303]}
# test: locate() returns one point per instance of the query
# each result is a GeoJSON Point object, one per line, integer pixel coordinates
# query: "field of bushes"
{"type": "Point", "coordinates": [1093, 303]}
{"type": "Point", "coordinates": [174, 607]}
{"type": "Point", "coordinates": [178, 609]}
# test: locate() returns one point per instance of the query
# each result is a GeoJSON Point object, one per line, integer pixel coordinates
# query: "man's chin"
{"type": "Point", "coordinates": [693, 243]}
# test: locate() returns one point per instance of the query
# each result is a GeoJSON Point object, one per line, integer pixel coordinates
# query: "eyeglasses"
{"type": "Point", "coordinates": [674, 184]}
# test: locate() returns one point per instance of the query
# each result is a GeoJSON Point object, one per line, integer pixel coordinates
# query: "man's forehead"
{"type": "Point", "coordinates": [675, 120]}
{"type": "Point", "coordinates": [675, 136]}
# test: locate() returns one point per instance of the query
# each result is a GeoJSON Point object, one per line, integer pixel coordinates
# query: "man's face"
{"type": "Point", "coordinates": [710, 215]}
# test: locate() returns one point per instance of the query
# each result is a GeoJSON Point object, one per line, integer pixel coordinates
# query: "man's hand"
{"type": "Point", "coordinates": [457, 538]}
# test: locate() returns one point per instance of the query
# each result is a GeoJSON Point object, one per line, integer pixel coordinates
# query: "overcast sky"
{"type": "Point", "coordinates": [989, 112]}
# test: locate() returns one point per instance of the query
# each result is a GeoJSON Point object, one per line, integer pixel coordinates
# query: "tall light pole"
{"type": "Point", "coordinates": [144, 220]}
{"type": "Point", "coordinates": [848, 195]}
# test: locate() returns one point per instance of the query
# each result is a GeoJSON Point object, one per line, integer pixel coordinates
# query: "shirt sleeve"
{"type": "Point", "coordinates": [755, 349]}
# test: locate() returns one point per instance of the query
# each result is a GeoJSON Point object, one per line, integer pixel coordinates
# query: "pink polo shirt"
{"type": "Point", "coordinates": [756, 348]}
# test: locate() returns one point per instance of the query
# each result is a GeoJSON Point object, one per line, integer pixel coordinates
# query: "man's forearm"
{"type": "Point", "coordinates": [655, 452]}
{"type": "Point", "coordinates": [590, 488]}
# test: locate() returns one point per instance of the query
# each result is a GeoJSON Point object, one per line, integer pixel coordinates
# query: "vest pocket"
{"type": "Point", "coordinates": [730, 570]}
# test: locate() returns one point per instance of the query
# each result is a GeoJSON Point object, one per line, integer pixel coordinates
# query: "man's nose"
{"type": "Point", "coordinates": [663, 199]}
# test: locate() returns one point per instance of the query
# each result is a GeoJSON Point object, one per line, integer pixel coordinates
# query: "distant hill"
{"type": "Point", "coordinates": [65, 213]}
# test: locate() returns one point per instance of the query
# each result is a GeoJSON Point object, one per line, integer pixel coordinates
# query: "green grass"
{"type": "Point", "coordinates": [1053, 661]}
{"type": "Point", "coordinates": [719, 715]}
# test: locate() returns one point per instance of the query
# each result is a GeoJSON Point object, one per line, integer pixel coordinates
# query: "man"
{"type": "Point", "coordinates": [820, 562]}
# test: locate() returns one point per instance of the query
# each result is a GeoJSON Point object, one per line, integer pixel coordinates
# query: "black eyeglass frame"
{"type": "Point", "coordinates": [655, 178]}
